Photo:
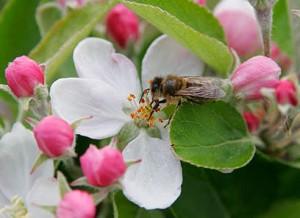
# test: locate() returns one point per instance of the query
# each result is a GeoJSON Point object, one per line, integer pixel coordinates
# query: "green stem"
{"type": "Point", "coordinates": [21, 111]}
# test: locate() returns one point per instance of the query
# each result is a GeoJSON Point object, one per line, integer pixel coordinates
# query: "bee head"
{"type": "Point", "coordinates": [155, 86]}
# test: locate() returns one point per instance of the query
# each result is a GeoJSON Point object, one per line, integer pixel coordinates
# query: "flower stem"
{"type": "Point", "coordinates": [264, 12]}
{"type": "Point", "coordinates": [21, 110]}
{"type": "Point", "coordinates": [265, 20]}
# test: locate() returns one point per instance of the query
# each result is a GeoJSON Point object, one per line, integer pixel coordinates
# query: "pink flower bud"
{"type": "Point", "coordinates": [102, 167]}
{"type": "Point", "coordinates": [252, 121]}
{"type": "Point", "coordinates": [286, 93]}
{"type": "Point", "coordinates": [241, 27]}
{"type": "Point", "coordinates": [253, 75]}
{"type": "Point", "coordinates": [282, 59]}
{"type": "Point", "coordinates": [23, 75]}
{"type": "Point", "coordinates": [54, 136]}
{"type": "Point", "coordinates": [201, 2]}
{"type": "Point", "coordinates": [122, 25]}
{"type": "Point", "coordinates": [77, 204]}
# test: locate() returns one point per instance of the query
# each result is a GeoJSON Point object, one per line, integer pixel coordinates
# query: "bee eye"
{"type": "Point", "coordinates": [154, 87]}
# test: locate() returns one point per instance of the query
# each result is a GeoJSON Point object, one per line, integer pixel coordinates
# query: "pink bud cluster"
{"type": "Point", "coordinates": [253, 75]}
{"type": "Point", "coordinates": [54, 136]}
{"type": "Point", "coordinates": [122, 25]}
{"type": "Point", "coordinates": [102, 167]}
{"type": "Point", "coordinates": [77, 204]}
{"type": "Point", "coordinates": [23, 75]}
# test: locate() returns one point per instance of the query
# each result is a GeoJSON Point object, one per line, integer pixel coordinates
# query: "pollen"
{"type": "Point", "coordinates": [142, 115]}
{"type": "Point", "coordinates": [131, 97]}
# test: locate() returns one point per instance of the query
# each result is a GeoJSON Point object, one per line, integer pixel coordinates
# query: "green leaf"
{"type": "Point", "coordinates": [192, 26]}
{"type": "Point", "coordinates": [254, 190]}
{"type": "Point", "coordinates": [18, 31]}
{"type": "Point", "coordinates": [283, 209]}
{"type": "Point", "coordinates": [62, 38]}
{"type": "Point", "coordinates": [282, 32]}
{"type": "Point", "coordinates": [125, 209]}
{"type": "Point", "coordinates": [198, 197]}
{"type": "Point", "coordinates": [211, 135]}
{"type": "Point", "coordinates": [46, 15]}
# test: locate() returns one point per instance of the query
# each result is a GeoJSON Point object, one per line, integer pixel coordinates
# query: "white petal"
{"type": "Point", "coordinates": [155, 182]}
{"type": "Point", "coordinates": [75, 98]}
{"type": "Point", "coordinates": [95, 58]}
{"type": "Point", "coordinates": [165, 56]}
{"type": "Point", "coordinates": [18, 151]}
{"type": "Point", "coordinates": [45, 192]}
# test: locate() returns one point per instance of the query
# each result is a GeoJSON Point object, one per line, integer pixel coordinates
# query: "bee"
{"type": "Point", "coordinates": [173, 89]}
{"type": "Point", "coordinates": [192, 88]}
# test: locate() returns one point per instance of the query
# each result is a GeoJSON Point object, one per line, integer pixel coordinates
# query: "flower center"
{"type": "Point", "coordinates": [143, 113]}
{"type": "Point", "coordinates": [16, 209]}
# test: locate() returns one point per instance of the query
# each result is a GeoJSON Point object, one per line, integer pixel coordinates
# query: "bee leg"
{"type": "Point", "coordinates": [172, 115]}
{"type": "Point", "coordinates": [163, 101]}
{"type": "Point", "coordinates": [154, 108]}
{"type": "Point", "coordinates": [143, 94]}
{"type": "Point", "coordinates": [156, 105]}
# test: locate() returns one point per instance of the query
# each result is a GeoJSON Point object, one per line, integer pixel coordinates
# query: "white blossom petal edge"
{"type": "Point", "coordinates": [165, 56]}
{"type": "Point", "coordinates": [18, 151]}
{"type": "Point", "coordinates": [156, 181]}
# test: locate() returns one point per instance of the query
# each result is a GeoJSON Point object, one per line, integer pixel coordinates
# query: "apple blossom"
{"type": "Point", "coordinates": [122, 25]}
{"type": "Point", "coordinates": [253, 75]}
{"type": "Point", "coordinates": [23, 75]}
{"type": "Point", "coordinates": [240, 25]}
{"type": "Point", "coordinates": [286, 93]}
{"type": "Point", "coordinates": [21, 191]}
{"type": "Point", "coordinates": [107, 90]}
{"type": "Point", "coordinates": [54, 136]}
{"type": "Point", "coordinates": [79, 204]}
{"type": "Point", "coordinates": [102, 167]}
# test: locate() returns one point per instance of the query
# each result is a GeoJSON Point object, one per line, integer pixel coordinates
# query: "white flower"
{"type": "Point", "coordinates": [106, 80]}
{"type": "Point", "coordinates": [20, 191]}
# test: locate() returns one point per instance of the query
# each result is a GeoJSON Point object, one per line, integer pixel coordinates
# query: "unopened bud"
{"type": "Point", "coordinates": [240, 25]}
{"type": "Point", "coordinates": [252, 121]}
{"type": "Point", "coordinates": [79, 204]}
{"type": "Point", "coordinates": [122, 25]}
{"type": "Point", "coordinates": [253, 75]}
{"type": "Point", "coordinates": [23, 75]}
{"type": "Point", "coordinates": [286, 93]}
{"type": "Point", "coordinates": [54, 136]}
{"type": "Point", "coordinates": [102, 167]}
{"type": "Point", "coordinates": [281, 58]}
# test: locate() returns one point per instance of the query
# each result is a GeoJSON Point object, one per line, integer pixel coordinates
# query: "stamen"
{"type": "Point", "coordinates": [142, 116]}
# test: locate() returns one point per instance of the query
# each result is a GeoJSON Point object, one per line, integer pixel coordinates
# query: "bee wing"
{"type": "Point", "coordinates": [202, 88]}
